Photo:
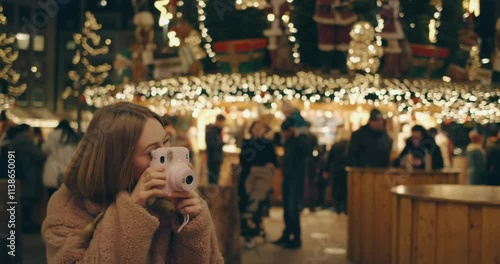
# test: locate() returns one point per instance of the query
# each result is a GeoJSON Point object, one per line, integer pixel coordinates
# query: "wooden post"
{"type": "Point", "coordinates": [223, 204]}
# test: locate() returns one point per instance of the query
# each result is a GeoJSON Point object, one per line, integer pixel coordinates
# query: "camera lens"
{"type": "Point", "coordinates": [189, 179]}
{"type": "Point", "coordinates": [162, 159]}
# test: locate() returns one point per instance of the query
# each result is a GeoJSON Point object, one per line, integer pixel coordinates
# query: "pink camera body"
{"type": "Point", "coordinates": [180, 177]}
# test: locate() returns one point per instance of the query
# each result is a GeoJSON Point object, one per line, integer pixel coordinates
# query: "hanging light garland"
{"type": "Point", "coordinates": [292, 38]}
{"type": "Point", "coordinates": [472, 7]}
{"type": "Point", "coordinates": [204, 31]}
{"type": "Point", "coordinates": [447, 101]}
{"type": "Point", "coordinates": [244, 4]}
{"type": "Point", "coordinates": [435, 23]}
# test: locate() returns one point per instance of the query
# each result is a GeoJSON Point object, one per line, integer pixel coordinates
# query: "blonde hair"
{"type": "Point", "coordinates": [102, 164]}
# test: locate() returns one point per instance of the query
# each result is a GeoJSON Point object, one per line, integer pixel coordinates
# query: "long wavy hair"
{"type": "Point", "coordinates": [102, 164]}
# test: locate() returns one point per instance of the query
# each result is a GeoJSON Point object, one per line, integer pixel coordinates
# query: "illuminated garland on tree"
{"type": "Point", "coordinates": [448, 101]}
{"type": "Point", "coordinates": [88, 45]}
{"type": "Point", "coordinates": [7, 57]}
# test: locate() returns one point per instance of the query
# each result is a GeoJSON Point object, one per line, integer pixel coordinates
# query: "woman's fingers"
{"type": "Point", "coordinates": [154, 183]}
{"type": "Point", "coordinates": [153, 193]}
{"type": "Point", "coordinates": [191, 210]}
{"type": "Point", "coordinates": [187, 202]}
{"type": "Point", "coordinates": [190, 194]}
{"type": "Point", "coordinates": [152, 172]}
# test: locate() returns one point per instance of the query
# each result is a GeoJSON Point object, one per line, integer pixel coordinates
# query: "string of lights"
{"type": "Point", "coordinates": [204, 31]}
{"type": "Point", "coordinates": [447, 101]}
{"type": "Point", "coordinates": [7, 57]}
{"type": "Point", "coordinates": [244, 4]}
{"type": "Point", "coordinates": [293, 32]}
{"type": "Point", "coordinates": [435, 23]}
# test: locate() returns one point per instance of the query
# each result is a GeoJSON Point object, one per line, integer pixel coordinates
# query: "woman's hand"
{"type": "Point", "coordinates": [187, 203]}
{"type": "Point", "coordinates": [149, 185]}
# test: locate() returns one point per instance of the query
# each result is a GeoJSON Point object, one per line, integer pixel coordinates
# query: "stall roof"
{"type": "Point", "coordinates": [33, 116]}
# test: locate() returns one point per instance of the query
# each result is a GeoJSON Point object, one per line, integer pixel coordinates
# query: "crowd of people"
{"type": "Point", "coordinates": [39, 163]}
{"type": "Point", "coordinates": [104, 175]}
{"type": "Point", "coordinates": [305, 163]}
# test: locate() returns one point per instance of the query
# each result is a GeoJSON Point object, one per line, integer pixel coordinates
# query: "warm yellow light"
{"type": "Point", "coordinates": [432, 31]}
{"type": "Point", "coordinates": [161, 6]}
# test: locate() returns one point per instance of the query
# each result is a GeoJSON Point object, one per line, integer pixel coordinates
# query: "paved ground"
{"type": "Point", "coordinates": [324, 241]}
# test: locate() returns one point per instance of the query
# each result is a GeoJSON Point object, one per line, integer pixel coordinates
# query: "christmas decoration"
{"type": "Point", "coordinates": [9, 76]}
{"type": "Point", "coordinates": [165, 15]}
{"type": "Point", "coordinates": [443, 99]}
{"type": "Point", "coordinates": [240, 56]}
{"type": "Point", "coordinates": [278, 13]}
{"type": "Point", "coordinates": [244, 4]}
{"type": "Point", "coordinates": [204, 31]}
{"type": "Point", "coordinates": [122, 67]}
{"type": "Point", "coordinates": [393, 33]}
{"type": "Point", "coordinates": [472, 7]}
{"type": "Point", "coordinates": [334, 19]}
{"type": "Point", "coordinates": [474, 64]}
{"type": "Point", "coordinates": [86, 75]}
{"type": "Point", "coordinates": [88, 45]}
{"type": "Point", "coordinates": [364, 55]}
{"type": "Point", "coordinates": [457, 69]}
{"type": "Point", "coordinates": [144, 46]}
{"type": "Point", "coordinates": [190, 52]}
{"type": "Point", "coordinates": [428, 59]}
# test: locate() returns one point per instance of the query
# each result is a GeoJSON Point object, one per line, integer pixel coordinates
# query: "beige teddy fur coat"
{"type": "Point", "coordinates": [127, 233]}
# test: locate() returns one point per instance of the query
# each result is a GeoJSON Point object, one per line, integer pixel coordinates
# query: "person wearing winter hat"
{"type": "Point", "coordinates": [370, 145]}
{"type": "Point", "coordinates": [294, 171]}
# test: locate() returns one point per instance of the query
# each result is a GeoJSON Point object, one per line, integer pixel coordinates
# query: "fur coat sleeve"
{"type": "Point", "coordinates": [127, 233]}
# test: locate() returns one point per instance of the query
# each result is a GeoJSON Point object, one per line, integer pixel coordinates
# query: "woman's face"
{"type": "Point", "coordinates": [416, 138]}
{"type": "Point", "coordinates": [153, 136]}
{"type": "Point", "coordinates": [258, 130]}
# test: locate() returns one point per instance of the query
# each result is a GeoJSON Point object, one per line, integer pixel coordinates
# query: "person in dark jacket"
{"type": "Point", "coordinates": [294, 169]}
{"type": "Point", "coordinates": [215, 155]}
{"type": "Point", "coordinates": [493, 162]}
{"type": "Point", "coordinates": [29, 163]}
{"type": "Point", "coordinates": [256, 152]}
{"type": "Point", "coordinates": [418, 145]}
{"type": "Point", "coordinates": [370, 146]}
{"type": "Point", "coordinates": [337, 161]}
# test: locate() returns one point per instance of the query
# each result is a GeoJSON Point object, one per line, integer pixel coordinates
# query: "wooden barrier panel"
{"type": "Point", "coordinates": [223, 204]}
{"type": "Point", "coordinates": [461, 163]}
{"type": "Point", "coordinates": [370, 207]}
{"type": "Point", "coordinates": [441, 224]}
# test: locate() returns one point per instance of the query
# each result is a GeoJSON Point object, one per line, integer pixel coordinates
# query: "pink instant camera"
{"type": "Point", "coordinates": [180, 177]}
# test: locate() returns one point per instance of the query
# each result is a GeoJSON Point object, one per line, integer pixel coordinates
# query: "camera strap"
{"type": "Point", "coordinates": [186, 220]}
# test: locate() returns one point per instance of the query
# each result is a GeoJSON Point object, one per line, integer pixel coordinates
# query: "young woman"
{"type": "Point", "coordinates": [101, 213]}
